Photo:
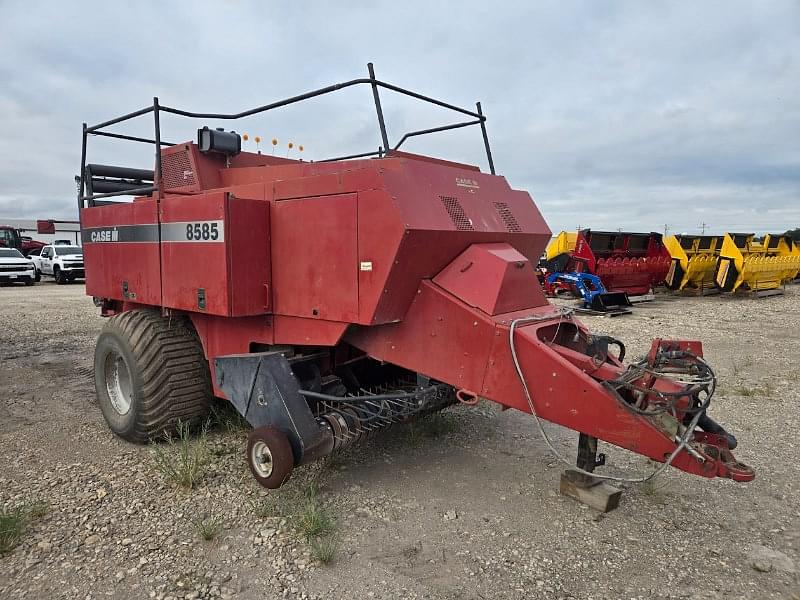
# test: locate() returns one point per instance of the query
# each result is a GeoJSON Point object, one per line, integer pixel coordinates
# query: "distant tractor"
{"type": "Point", "coordinates": [11, 237]}
{"type": "Point", "coordinates": [327, 300]}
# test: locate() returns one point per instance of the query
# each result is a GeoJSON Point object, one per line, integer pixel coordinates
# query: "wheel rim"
{"type": "Point", "coordinates": [118, 382]}
{"type": "Point", "coordinates": [261, 459]}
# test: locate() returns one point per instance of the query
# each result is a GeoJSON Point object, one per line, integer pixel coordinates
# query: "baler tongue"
{"type": "Point", "coordinates": [483, 325]}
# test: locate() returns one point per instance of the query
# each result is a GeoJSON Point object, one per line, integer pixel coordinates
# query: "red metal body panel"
{"type": "Point", "coordinates": [303, 331]}
{"type": "Point", "coordinates": [380, 233]}
{"type": "Point", "coordinates": [109, 264]}
{"type": "Point", "coordinates": [315, 257]}
{"type": "Point", "coordinates": [231, 265]}
{"type": "Point", "coordinates": [448, 209]}
{"type": "Point", "coordinates": [186, 169]}
{"type": "Point", "coordinates": [625, 262]}
{"type": "Point", "coordinates": [249, 255]}
{"type": "Point", "coordinates": [493, 278]}
{"type": "Point", "coordinates": [189, 266]}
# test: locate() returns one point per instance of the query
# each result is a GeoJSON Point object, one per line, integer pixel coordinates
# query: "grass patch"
{"type": "Point", "coordinates": [764, 390]}
{"type": "Point", "coordinates": [37, 509]}
{"type": "Point", "coordinates": [13, 522]}
{"type": "Point", "coordinates": [324, 549]}
{"type": "Point", "coordinates": [12, 525]}
{"type": "Point", "coordinates": [225, 417]}
{"type": "Point", "coordinates": [268, 507]}
{"type": "Point", "coordinates": [316, 525]}
{"type": "Point", "coordinates": [209, 527]}
{"type": "Point", "coordinates": [313, 521]}
{"type": "Point", "coordinates": [308, 518]}
{"type": "Point", "coordinates": [182, 459]}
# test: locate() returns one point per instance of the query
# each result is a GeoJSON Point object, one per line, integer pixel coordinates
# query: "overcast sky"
{"type": "Point", "coordinates": [631, 115]}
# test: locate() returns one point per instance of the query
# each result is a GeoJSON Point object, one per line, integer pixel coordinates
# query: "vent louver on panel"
{"type": "Point", "coordinates": [176, 170]}
{"type": "Point", "coordinates": [507, 216]}
{"type": "Point", "coordinates": [456, 212]}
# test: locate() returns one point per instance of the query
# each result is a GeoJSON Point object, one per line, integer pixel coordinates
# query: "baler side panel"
{"type": "Point", "coordinates": [315, 257]}
{"type": "Point", "coordinates": [380, 235]}
{"type": "Point", "coordinates": [249, 251]}
{"type": "Point", "coordinates": [437, 338]}
{"type": "Point", "coordinates": [221, 337]}
{"type": "Point", "coordinates": [194, 253]}
{"type": "Point", "coordinates": [120, 248]}
{"type": "Point", "coordinates": [444, 211]}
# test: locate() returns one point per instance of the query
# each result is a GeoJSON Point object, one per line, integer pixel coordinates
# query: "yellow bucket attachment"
{"type": "Point", "coordinates": [756, 265]}
{"type": "Point", "coordinates": [694, 260]}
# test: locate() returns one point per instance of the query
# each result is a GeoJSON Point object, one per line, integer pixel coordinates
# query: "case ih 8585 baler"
{"type": "Point", "coordinates": [327, 300]}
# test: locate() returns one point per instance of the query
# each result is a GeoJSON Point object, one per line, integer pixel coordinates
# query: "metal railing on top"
{"type": "Point", "coordinates": [156, 109]}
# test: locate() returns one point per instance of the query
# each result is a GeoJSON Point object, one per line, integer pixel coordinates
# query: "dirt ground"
{"type": "Point", "coordinates": [467, 508]}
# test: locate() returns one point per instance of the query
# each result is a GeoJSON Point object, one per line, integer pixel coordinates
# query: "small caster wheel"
{"type": "Point", "coordinates": [269, 456]}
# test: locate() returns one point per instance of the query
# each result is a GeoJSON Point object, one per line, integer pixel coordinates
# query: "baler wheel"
{"type": "Point", "coordinates": [151, 376]}
{"type": "Point", "coordinates": [269, 456]}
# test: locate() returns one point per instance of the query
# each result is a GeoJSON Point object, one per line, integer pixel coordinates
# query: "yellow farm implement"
{"type": "Point", "coordinates": [758, 266]}
{"type": "Point", "coordinates": [694, 261]}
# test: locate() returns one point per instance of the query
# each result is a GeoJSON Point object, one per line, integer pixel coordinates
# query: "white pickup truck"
{"type": "Point", "coordinates": [61, 262]}
{"type": "Point", "coordinates": [15, 267]}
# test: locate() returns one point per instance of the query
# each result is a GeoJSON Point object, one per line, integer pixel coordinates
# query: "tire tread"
{"type": "Point", "coordinates": [176, 382]}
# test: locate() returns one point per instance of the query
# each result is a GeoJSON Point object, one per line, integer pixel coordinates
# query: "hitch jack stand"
{"type": "Point", "coordinates": [595, 493]}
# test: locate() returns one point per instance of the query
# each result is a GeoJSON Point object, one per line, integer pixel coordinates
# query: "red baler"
{"type": "Point", "coordinates": [327, 300]}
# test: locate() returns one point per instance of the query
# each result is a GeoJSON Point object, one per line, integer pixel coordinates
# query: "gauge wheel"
{"type": "Point", "coordinates": [269, 456]}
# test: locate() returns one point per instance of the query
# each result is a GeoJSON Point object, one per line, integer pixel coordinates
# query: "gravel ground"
{"type": "Point", "coordinates": [463, 507]}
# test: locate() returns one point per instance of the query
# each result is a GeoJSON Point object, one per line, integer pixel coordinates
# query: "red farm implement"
{"type": "Point", "coordinates": [625, 262]}
{"type": "Point", "coordinates": [327, 300]}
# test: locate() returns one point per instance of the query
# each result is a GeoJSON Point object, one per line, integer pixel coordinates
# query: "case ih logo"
{"type": "Point", "coordinates": [105, 235]}
{"type": "Point", "coordinates": [467, 183]}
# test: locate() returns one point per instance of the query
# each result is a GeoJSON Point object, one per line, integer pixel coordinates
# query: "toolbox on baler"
{"type": "Point", "coordinates": [328, 300]}
{"type": "Point", "coordinates": [625, 262]}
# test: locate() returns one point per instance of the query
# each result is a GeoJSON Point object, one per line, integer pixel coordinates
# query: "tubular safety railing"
{"type": "Point", "coordinates": [86, 194]}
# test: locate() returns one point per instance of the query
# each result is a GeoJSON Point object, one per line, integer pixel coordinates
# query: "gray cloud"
{"type": "Point", "coordinates": [613, 115]}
